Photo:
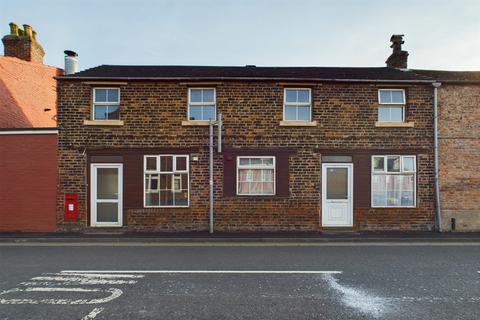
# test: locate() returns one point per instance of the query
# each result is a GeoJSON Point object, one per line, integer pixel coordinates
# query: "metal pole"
{"type": "Point", "coordinates": [211, 176]}
{"type": "Point", "coordinates": [219, 133]}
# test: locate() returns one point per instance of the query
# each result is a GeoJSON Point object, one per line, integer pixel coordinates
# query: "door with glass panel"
{"type": "Point", "coordinates": [337, 195]}
{"type": "Point", "coordinates": [106, 195]}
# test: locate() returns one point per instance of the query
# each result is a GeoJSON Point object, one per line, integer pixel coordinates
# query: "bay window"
{"type": "Point", "coordinates": [393, 181]}
{"type": "Point", "coordinates": [166, 181]}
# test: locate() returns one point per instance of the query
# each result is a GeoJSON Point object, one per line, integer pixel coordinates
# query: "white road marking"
{"type": "Point", "coordinates": [82, 280]}
{"type": "Point", "coordinates": [93, 314]}
{"type": "Point", "coordinates": [100, 275]}
{"type": "Point", "coordinates": [206, 271]}
{"type": "Point", "coordinates": [359, 299]}
{"type": "Point", "coordinates": [114, 293]}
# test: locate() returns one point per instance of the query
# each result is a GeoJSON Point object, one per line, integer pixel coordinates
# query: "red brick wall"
{"type": "Point", "coordinates": [28, 181]}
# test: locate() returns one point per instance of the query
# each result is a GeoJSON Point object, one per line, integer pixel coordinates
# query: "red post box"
{"type": "Point", "coordinates": [71, 206]}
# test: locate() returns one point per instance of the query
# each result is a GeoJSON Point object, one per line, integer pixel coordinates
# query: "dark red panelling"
{"type": "Point", "coordinates": [229, 175]}
{"type": "Point", "coordinates": [282, 175]}
{"type": "Point", "coordinates": [28, 182]}
{"type": "Point", "coordinates": [133, 180]}
{"type": "Point", "coordinates": [282, 168]}
{"type": "Point", "coordinates": [361, 181]}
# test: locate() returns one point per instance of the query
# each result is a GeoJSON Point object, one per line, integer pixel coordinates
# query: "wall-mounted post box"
{"type": "Point", "coordinates": [71, 206]}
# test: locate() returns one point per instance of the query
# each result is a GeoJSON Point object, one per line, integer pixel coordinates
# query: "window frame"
{"type": "Point", "coordinates": [239, 167]}
{"type": "Point", "coordinates": [172, 173]}
{"type": "Point", "coordinates": [401, 172]}
{"type": "Point", "coordinates": [391, 104]}
{"type": "Point", "coordinates": [297, 104]}
{"type": "Point", "coordinates": [105, 103]}
{"type": "Point", "coordinates": [190, 103]}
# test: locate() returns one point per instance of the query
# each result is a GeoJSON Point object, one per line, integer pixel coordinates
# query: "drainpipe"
{"type": "Point", "coordinates": [210, 180]}
{"type": "Point", "coordinates": [438, 213]}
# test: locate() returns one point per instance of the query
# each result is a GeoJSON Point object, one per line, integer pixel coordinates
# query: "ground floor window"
{"type": "Point", "coordinates": [166, 181]}
{"type": "Point", "coordinates": [393, 181]}
{"type": "Point", "coordinates": [256, 176]}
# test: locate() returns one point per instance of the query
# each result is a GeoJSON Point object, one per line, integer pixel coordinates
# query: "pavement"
{"type": "Point", "coordinates": [244, 237]}
{"type": "Point", "coordinates": [239, 280]}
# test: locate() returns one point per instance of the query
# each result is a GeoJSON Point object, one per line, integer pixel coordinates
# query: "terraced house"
{"type": "Point", "coordinates": [303, 148]}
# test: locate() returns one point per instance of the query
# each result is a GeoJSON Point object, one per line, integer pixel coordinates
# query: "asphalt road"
{"type": "Point", "coordinates": [238, 281]}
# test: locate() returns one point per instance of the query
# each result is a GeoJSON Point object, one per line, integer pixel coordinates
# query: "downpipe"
{"type": "Point", "coordinates": [438, 213]}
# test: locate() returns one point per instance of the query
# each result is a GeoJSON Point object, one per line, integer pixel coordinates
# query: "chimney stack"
{"type": "Point", "coordinates": [22, 44]}
{"type": "Point", "coordinates": [71, 62]}
{"type": "Point", "coordinates": [398, 58]}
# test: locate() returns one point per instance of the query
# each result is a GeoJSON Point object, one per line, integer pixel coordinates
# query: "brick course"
{"type": "Point", "coordinates": [152, 112]}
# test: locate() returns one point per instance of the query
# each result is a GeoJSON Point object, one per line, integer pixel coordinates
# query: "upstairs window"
{"type": "Point", "coordinates": [166, 181]}
{"type": "Point", "coordinates": [256, 176]}
{"type": "Point", "coordinates": [201, 104]}
{"type": "Point", "coordinates": [393, 181]}
{"type": "Point", "coordinates": [106, 104]}
{"type": "Point", "coordinates": [297, 105]}
{"type": "Point", "coordinates": [391, 105]}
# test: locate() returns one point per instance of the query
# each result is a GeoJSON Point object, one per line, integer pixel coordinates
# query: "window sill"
{"type": "Point", "coordinates": [298, 123]}
{"type": "Point", "coordinates": [197, 123]}
{"type": "Point", "coordinates": [103, 122]}
{"type": "Point", "coordinates": [394, 124]}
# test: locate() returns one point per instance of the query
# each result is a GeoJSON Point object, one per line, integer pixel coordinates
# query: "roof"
{"type": "Point", "coordinates": [26, 90]}
{"type": "Point", "coordinates": [247, 72]}
{"type": "Point", "coordinates": [450, 76]}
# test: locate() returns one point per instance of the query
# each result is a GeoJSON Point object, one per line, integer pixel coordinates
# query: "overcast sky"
{"type": "Point", "coordinates": [439, 34]}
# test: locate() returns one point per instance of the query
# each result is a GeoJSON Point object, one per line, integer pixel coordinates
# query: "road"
{"type": "Point", "coordinates": [239, 281]}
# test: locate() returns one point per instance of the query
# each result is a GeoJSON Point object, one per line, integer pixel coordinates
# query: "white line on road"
{"type": "Point", "coordinates": [207, 271]}
{"type": "Point", "coordinates": [83, 280]}
{"type": "Point", "coordinates": [114, 293]}
{"type": "Point", "coordinates": [93, 314]}
{"type": "Point", "coordinates": [99, 275]}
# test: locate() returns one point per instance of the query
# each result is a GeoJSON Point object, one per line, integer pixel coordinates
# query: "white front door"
{"type": "Point", "coordinates": [106, 195]}
{"type": "Point", "coordinates": [337, 195]}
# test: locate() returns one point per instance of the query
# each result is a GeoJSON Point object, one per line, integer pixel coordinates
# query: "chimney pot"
{"type": "Point", "coordinates": [27, 30]}
{"type": "Point", "coordinates": [399, 58]}
{"type": "Point", "coordinates": [71, 62]}
{"type": "Point", "coordinates": [13, 29]}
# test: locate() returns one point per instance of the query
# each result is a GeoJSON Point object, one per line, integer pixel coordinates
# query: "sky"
{"type": "Point", "coordinates": [439, 34]}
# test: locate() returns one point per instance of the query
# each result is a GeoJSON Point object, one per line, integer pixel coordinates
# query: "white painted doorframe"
{"type": "Point", "coordinates": [93, 195]}
{"type": "Point", "coordinates": [348, 221]}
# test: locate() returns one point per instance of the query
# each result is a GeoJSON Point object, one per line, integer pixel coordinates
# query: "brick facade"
{"type": "Point", "coordinates": [153, 112]}
{"type": "Point", "coordinates": [459, 156]}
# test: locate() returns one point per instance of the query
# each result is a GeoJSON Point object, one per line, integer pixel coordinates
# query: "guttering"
{"type": "Point", "coordinates": [16, 131]}
{"type": "Point", "coordinates": [438, 213]}
{"type": "Point", "coordinates": [241, 78]}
